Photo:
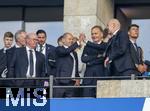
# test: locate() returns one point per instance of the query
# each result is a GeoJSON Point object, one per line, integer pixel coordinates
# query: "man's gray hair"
{"type": "Point", "coordinates": [18, 33]}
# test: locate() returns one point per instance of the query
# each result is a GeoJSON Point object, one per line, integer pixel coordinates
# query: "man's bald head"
{"type": "Point", "coordinates": [113, 25]}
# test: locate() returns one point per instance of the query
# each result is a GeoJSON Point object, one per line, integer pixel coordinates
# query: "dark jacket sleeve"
{"type": "Point", "coordinates": [101, 46]}
{"type": "Point", "coordinates": [140, 55]}
{"type": "Point", "coordinates": [99, 60]}
{"type": "Point", "coordinates": [11, 68]}
{"type": "Point", "coordinates": [62, 51]}
{"type": "Point", "coordinates": [91, 59]}
{"type": "Point", "coordinates": [52, 58]}
{"type": "Point", "coordinates": [77, 64]}
{"type": "Point", "coordinates": [3, 61]}
{"type": "Point", "coordinates": [120, 45]}
{"type": "Point", "coordinates": [86, 57]}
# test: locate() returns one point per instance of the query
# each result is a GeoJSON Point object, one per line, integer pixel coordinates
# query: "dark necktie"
{"type": "Point", "coordinates": [136, 47]}
{"type": "Point", "coordinates": [41, 46]}
{"type": "Point", "coordinates": [31, 63]}
{"type": "Point", "coordinates": [137, 51]}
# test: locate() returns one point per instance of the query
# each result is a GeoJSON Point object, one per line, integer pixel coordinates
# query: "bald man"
{"type": "Point", "coordinates": [117, 52]}
{"type": "Point", "coordinates": [26, 62]}
{"type": "Point", "coordinates": [67, 66]}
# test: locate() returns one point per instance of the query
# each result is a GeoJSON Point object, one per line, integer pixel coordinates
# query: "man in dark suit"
{"type": "Point", "coordinates": [67, 66]}
{"type": "Point", "coordinates": [8, 41]}
{"type": "Point", "coordinates": [94, 59]}
{"type": "Point", "coordinates": [117, 52]}
{"type": "Point", "coordinates": [136, 52]}
{"type": "Point", "coordinates": [27, 63]}
{"type": "Point", "coordinates": [3, 64]}
{"type": "Point", "coordinates": [3, 72]}
{"type": "Point", "coordinates": [20, 39]}
{"type": "Point", "coordinates": [49, 52]}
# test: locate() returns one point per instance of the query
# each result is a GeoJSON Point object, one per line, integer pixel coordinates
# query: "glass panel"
{"type": "Point", "coordinates": [11, 26]}
{"type": "Point", "coordinates": [144, 36]}
{"type": "Point", "coordinates": [53, 30]}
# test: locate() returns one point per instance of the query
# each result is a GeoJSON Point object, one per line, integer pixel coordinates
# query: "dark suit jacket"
{"type": "Point", "coordinates": [118, 51]}
{"type": "Point", "coordinates": [94, 59]}
{"type": "Point", "coordinates": [50, 60]}
{"type": "Point", "coordinates": [91, 52]}
{"type": "Point", "coordinates": [9, 54]}
{"type": "Point", "coordinates": [101, 46]}
{"type": "Point", "coordinates": [5, 58]}
{"type": "Point", "coordinates": [19, 65]}
{"type": "Point", "coordinates": [64, 63]}
{"type": "Point", "coordinates": [3, 61]}
{"type": "Point", "coordinates": [136, 55]}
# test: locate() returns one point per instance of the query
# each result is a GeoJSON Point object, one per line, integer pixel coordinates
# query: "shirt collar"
{"type": "Point", "coordinates": [65, 46]}
{"type": "Point", "coordinates": [115, 32]}
{"type": "Point", "coordinates": [17, 46]}
{"type": "Point", "coordinates": [42, 45]}
{"type": "Point", "coordinates": [29, 48]}
{"type": "Point", "coordinates": [132, 41]}
{"type": "Point", "coordinates": [6, 48]}
{"type": "Point", "coordinates": [99, 42]}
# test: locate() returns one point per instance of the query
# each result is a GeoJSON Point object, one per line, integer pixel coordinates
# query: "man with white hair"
{"type": "Point", "coordinates": [20, 39]}
{"type": "Point", "coordinates": [26, 62]}
{"type": "Point", "coordinates": [117, 51]}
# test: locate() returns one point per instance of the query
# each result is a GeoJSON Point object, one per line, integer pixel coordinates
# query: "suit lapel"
{"type": "Point", "coordinates": [25, 58]}
{"type": "Point", "coordinates": [134, 54]}
{"type": "Point", "coordinates": [140, 54]}
{"type": "Point", "coordinates": [37, 59]}
{"type": "Point", "coordinates": [109, 44]}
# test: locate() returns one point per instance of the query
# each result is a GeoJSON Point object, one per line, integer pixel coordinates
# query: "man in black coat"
{"type": "Point", "coordinates": [94, 59]}
{"type": "Point", "coordinates": [67, 66]}
{"type": "Point", "coordinates": [118, 52]}
{"type": "Point", "coordinates": [27, 63]}
{"type": "Point", "coordinates": [3, 63]}
{"type": "Point", "coordinates": [138, 66]}
{"type": "Point", "coordinates": [20, 39]}
{"type": "Point", "coordinates": [8, 40]}
{"type": "Point", "coordinates": [48, 51]}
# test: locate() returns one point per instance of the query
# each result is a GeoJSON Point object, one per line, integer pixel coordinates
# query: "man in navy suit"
{"type": "Point", "coordinates": [8, 40]}
{"type": "Point", "coordinates": [27, 63]}
{"type": "Point", "coordinates": [138, 66]}
{"type": "Point", "coordinates": [94, 59]}
{"type": "Point", "coordinates": [3, 62]}
{"type": "Point", "coordinates": [49, 52]}
{"type": "Point", "coordinates": [20, 39]}
{"type": "Point", "coordinates": [67, 66]}
{"type": "Point", "coordinates": [117, 52]}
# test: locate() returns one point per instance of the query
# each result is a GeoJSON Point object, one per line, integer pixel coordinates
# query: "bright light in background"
{"type": "Point", "coordinates": [11, 26]}
{"type": "Point", "coordinates": [53, 30]}
{"type": "Point", "coordinates": [144, 37]}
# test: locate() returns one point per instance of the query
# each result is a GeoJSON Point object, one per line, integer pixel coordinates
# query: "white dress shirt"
{"type": "Point", "coordinates": [74, 64]}
{"type": "Point", "coordinates": [43, 48]}
{"type": "Point", "coordinates": [34, 62]}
